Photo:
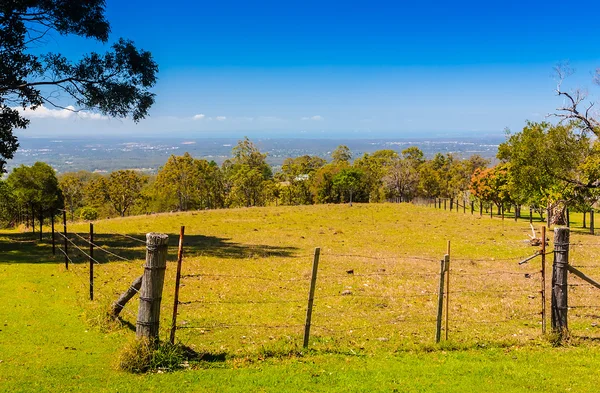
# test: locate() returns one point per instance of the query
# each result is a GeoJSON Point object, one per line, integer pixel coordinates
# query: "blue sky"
{"type": "Point", "coordinates": [351, 69]}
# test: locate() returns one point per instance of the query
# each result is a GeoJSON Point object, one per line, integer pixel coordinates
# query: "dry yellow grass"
{"type": "Point", "coordinates": [248, 271]}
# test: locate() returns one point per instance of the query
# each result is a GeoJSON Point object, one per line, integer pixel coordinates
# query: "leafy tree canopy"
{"type": "Point", "coordinates": [116, 83]}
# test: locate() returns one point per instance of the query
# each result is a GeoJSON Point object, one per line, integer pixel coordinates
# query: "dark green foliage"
{"type": "Point", "coordinates": [116, 83]}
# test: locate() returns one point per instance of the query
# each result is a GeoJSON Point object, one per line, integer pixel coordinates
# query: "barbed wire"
{"type": "Point", "coordinates": [127, 236]}
{"type": "Point", "coordinates": [231, 326]}
{"type": "Point", "coordinates": [101, 248]}
{"type": "Point", "coordinates": [322, 275]}
{"type": "Point", "coordinates": [587, 266]}
{"type": "Point", "coordinates": [493, 273]}
{"type": "Point", "coordinates": [189, 302]}
{"type": "Point", "coordinates": [242, 276]}
{"type": "Point", "coordinates": [403, 257]}
{"type": "Point", "coordinates": [83, 252]}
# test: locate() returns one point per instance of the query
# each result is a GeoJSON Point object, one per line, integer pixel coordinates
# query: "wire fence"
{"type": "Point", "coordinates": [360, 301]}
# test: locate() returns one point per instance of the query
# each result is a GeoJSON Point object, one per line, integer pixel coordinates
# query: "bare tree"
{"type": "Point", "coordinates": [576, 106]}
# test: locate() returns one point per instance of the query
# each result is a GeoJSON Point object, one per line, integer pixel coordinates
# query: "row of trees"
{"type": "Point", "coordinates": [545, 166]}
{"type": "Point", "coordinates": [246, 179]}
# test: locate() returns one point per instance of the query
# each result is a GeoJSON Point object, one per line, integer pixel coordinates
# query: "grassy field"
{"type": "Point", "coordinates": [247, 273]}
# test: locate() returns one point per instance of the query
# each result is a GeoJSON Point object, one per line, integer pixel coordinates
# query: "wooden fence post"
{"type": "Point", "coordinates": [440, 310]}
{"type": "Point", "coordinates": [65, 239]}
{"type": "Point", "coordinates": [311, 297]}
{"type": "Point", "coordinates": [53, 240]}
{"type": "Point", "coordinates": [447, 263]}
{"type": "Point", "coordinates": [91, 261]}
{"type": "Point", "coordinates": [543, 292]}
{"type": "Point", "coordinates": [148, 319]}
{"type": "Point", "coordinates": [559, 281]}
{"type": "Point", "coordinates": [177, 282]}
{"type": "Point", "coordinates": [530, 215]}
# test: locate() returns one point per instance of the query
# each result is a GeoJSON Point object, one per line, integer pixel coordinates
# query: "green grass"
{"type": "Point", "coordinates": [378, 338]}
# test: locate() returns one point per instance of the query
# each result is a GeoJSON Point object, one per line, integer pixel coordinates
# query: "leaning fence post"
{"type": "Point", "coordinates": [91, 261]}
{"type": "Point", "coordinates": [152, 285]}
{"type": "Point", "coordinates": [311, 296]}
{"type": "Point", "coordinates": [177, 282]}
{"type": "Point", "coordinates": [559, 280]}
{"type": "Point", "coordinates": [440, 311]}
{"type": "Point", "coordinates": [65, 239]}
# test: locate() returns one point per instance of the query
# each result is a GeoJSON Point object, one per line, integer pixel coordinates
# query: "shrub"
{"type": "Point", "coordinates": [142, 355]}
{"type": "Point", "coordinates": [88, 213]}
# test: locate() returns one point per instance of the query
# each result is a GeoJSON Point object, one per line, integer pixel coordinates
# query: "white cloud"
{"type": "Point", "coordinates": [65, 113]}
{"type": "Point", "coordinates": [221, 118]}
{"type": "Point", "coordinates": [199, 116]}
{"type": "Point", "coordinates": [313, 118]}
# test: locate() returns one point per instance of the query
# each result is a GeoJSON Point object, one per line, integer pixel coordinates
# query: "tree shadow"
{"type": "Point", "coordinates": [26, 248]}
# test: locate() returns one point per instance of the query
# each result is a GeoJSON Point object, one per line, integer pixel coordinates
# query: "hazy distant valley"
{"type": "Point", "coordinates": [149, 154]}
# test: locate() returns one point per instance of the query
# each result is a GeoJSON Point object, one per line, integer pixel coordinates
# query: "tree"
{"type": "Point", "coordinates": [122, 189]}
{"type": "Point", "coordinates": [341, 153]}
{"type": "Point", "coordinates": [179, 177]}
{"type": "Point", "coordinates": [297, 174]}
{"type": "Point", "coordinates": [36, 187]}
{"type": "Point", "coordinates": [248, 175]}
{"type": "Point", "coordinates": [348, 180]}
{"type": "Point", "coordinates": [545, 165]}
{"type": "Point", "coordinates": [72, 188]}
{"type": "Point", "coordinates": [117, 83]}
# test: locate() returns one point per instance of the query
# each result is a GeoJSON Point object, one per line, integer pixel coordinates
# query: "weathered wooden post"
{"type": "Point", "coordinates": [543, 292]}
{"type": "Point", "coordinates": [440, 310]}
{"type": "Point", "coordinates": [311, 297]}
{"type": "Point", "coordinates": [152, 285]}
{"type": "Point", "coordinates": [447, 262]}
{"type": "Point", "coordinates": [91, 261]}
{"type": "Point", "coordinates": [53, 240]}
{"type": "Point", "coordinates": [65, 239]}
{"type": "Point", "coordinates": [177, 282]}
{"type": "Point", "coordinates": [530, 215]}
{"type": "Point", "coordinates": [559, 281]}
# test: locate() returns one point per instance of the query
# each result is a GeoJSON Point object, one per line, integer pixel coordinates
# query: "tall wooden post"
{"type": "Point", "coordinates": [530, 215]}
{"type": "Point", "coordinates": [559, 280]}
{"type": "Point", "coordinates": [543, 292]}
{"type": "Point", "coordinates": [440, 310]}
{"type": "Point", "coordinates": [65, 239]}
{"type": "Point", "coordinates": [53, 239]}
{"type": "Point", "coordinates": [447, 263]}
{"type": "Point", "coordinates": [152, 285]}
{"type": "Point", "coordinates": [311, 297]}
{"type": "Point", "coordinates": [177, 282]}
{"type": "Point", "coordinates": [91, 261]}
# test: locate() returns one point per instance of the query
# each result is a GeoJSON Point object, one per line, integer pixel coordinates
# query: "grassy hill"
{"type": "Point", "coordinates": [244, 301]}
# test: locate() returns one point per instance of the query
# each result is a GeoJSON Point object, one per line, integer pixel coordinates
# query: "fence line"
{"type": "Point", "coordinates": [101, 248]}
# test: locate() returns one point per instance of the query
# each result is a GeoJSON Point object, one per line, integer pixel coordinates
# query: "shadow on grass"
{"type": "Point", "coordinates": [26, 248]}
